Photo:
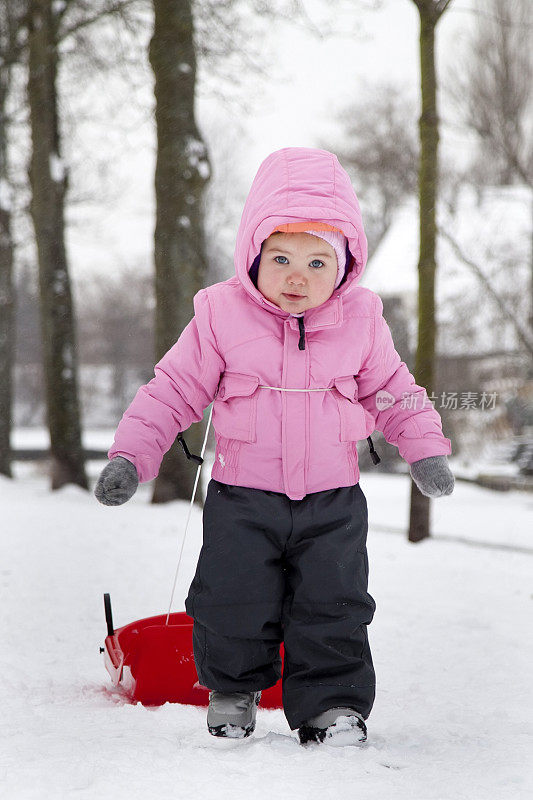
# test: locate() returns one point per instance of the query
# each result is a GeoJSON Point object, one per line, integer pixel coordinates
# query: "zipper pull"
{"type": "Point", "coordinates": [373, 455]}
{"type": "Point", "coordinates": [301, 343]}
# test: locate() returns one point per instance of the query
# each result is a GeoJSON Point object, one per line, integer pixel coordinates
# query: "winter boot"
{"type": "Point", "coordinates": [233, 714]}
{"type": "Point", "coordinates": [336, 727]}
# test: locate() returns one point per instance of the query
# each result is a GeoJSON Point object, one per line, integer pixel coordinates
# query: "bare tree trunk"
{"type": "Point", "coordinates": [48, 183]}
{"type": "Point", "coordinates": [430, 12]}
{"type": "Point", "coordinates": [11, 21]}
{"type": "Point", "coordinates": [6, 290]}
{"type": "Point", "coordinates": [182, 171]}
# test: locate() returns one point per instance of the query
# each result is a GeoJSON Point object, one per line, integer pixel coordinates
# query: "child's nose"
{"type": "Point", "coordinates": [296, 277]}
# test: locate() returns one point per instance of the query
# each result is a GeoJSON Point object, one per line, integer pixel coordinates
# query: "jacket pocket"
{"type": "Point", "coordinates": [355, 421]}
{"type": "Point", "coordinates": [235, 407]}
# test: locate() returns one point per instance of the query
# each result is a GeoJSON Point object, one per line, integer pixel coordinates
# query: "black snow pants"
{"type": "Point", "coordinates": [273, 570]}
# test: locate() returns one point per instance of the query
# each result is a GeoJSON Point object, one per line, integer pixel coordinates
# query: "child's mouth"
{"type": "Point", "coordinates": [293, 296]}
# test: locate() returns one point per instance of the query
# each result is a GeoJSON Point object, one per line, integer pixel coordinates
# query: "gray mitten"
{"type": "Point", "coordinates": [433, 476]}
{"type": "Point", "coordinates": [117, 482]}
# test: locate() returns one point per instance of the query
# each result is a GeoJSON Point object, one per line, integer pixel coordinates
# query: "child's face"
{"type": "Point", "coordinates": [297, 271]}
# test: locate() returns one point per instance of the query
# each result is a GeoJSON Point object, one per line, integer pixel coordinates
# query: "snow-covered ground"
{"type": "Point", "coordinates": [451, 642]}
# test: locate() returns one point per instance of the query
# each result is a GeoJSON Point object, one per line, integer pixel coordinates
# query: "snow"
{"type": "Point", "coordinates": [392, 268]}
{"type": "Point", "coordinates": [57, 168]}
{"type": "Point", "coordinates": [196, 155]}
{"type": "Point", "coordinates": [39, 438]}
{"type": "Point", "coordinates": [6, 194]}
{"type": "Point", "coordinates": [452, 717]}
{"type": "Point", "coordinates": [497, 520]}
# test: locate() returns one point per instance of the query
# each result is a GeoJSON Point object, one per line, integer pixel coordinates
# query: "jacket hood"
{"type": "Point", "coordinates": [297, 184]}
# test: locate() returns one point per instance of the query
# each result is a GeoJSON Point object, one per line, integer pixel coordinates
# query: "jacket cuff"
{"type": "Point", "coordinates": [412, 450]}
{"type": "Point", "coordinates": [145, 466]}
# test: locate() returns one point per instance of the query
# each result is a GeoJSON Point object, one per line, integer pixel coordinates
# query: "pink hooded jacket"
{"type": "Point", "coordinates": [290, 401]}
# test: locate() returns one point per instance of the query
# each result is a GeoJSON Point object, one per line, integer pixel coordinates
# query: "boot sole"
{"type": "Point", "coordinates": [345, 733]}
{"type": "Point", "coordinates": [228, 731]}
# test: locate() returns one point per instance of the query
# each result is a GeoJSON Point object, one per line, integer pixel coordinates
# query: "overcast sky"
{"type": "Point", "coordinates": [313, 78]}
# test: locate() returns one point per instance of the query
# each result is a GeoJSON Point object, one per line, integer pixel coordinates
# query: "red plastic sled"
{"type": "Point", "coordinates": [154, 662]}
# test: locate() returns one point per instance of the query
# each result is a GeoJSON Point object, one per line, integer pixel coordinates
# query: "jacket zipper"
{"type": "Point", "coordinates": [301, 343]}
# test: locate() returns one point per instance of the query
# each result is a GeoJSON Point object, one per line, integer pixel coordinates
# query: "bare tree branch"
{"type": "Point", "coordinates": [432, 9]}
{"type": "Point", "coordinates": [12, 24]}
{"type": "Point", "coordinates": [492, 90]}
{"type": "Point", "coordinates": [504, 22]}
{"type": "Point", "coordinates": [382, 152]}
{"type": "Point", "coordinates": [509, 314]}
{"type": "Point", "coordinates": [442, 6]}
{"type": "Point", "coordinates": [111, 9]}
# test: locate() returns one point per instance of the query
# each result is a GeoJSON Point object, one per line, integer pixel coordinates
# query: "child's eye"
{"type": "Point", "coordinates": [281, 262]}
{"type": "Point", "coordinates": [316, 263]}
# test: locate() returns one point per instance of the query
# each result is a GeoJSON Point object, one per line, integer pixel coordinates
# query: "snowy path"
{"type": "Point", "coordinates": [451, 641]}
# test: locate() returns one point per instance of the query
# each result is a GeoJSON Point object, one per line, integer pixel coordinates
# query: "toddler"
{"type": "Point", "coordinates": [300, 364]}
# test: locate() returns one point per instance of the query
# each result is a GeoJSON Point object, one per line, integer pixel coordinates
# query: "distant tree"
{"type": "Point", "coordinates": [28, 373]}
{"type": "Point", "coordinates": [48, 179]}
{"type": "Point", "coordinates": [492, 90]}
{"type": "Point", "coordinates": [508, 311]}
{"type": "Point", "coordinates": [116, 328]}
{"type": "Point", "coordinates": [430, 12]}
{"type": "Point", "coordinates": [382, 155]}
{"type": "Point", "coordinates": [28, 339]}
{"type": "Point", "coordinates": [115, 332]}
{"type": "Point", "coordinates": [50, 23]}
{"type": "Point", "coordinates": [11, 28]}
